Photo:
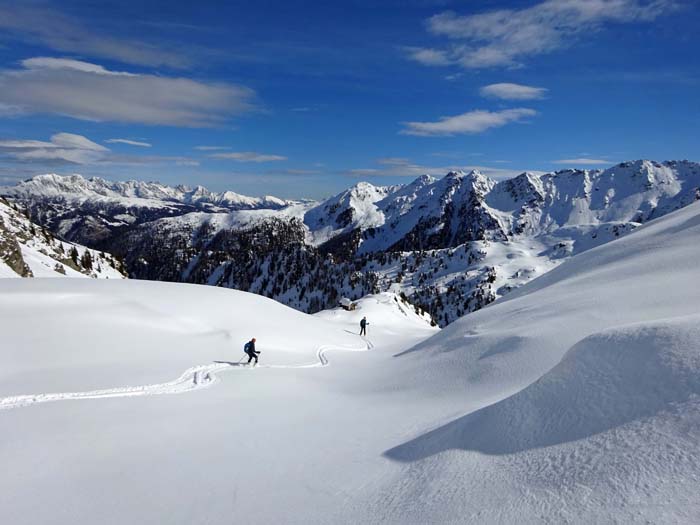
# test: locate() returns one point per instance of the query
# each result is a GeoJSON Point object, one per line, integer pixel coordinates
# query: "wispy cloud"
{"type": "Point", "coordinates": [61, 32]}
{"type": "Point", "coordinates": [248, 156]}
{"type": "Point", "coordinates": [311, 108]}
{"type": "Point", "coordinates": [582, 162]}
{"type": "Point", "coordinates": [476, 121]}
{"type": "Point", "coordinates": [508, 91]}
{"type": "Point", "coordinates": [454, 154]}
{"type": "Point", "coordinates": [90, 92]}
{"type": "Point", "coordinates": [453, 77]}
{"type": "Point", "coordinates": [393, 161]}
{"type": "Point", "coordinates": [62, 147]}
{"type": "Point", "coordinates": [429, 57]}
{"type": "Point", "coordinates": [211, 148]}
{"type": "Point", "coordinates": [363, 172]}
{"type": "Point", "coordinates": [301, 172]}
{"type": "Point", "coordinates": [114, 159]}
{"type": "Point", "coordinates": [401, 167]}
{"type": "Point", "coordinates": [129, 142]}
{"type": "Point", "coordinates": [73, 149]}
{"type": "Point", "coordinates": [504, 37]}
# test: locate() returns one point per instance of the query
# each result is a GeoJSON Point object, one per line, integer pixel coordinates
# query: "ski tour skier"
{"type": "Point", "coordinates": [363, 326]}
{"type": "Point", "coordinates": [249, 349]}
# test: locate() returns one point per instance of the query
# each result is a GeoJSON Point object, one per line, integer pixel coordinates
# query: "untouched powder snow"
{"type": "Point", "coordinates": [600, 358]}
{"type": "Point", "coordinates": [576, 399]}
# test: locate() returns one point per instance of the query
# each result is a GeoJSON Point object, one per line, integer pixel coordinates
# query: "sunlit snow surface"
{"type": "Point", "coordinates": [574, 399]}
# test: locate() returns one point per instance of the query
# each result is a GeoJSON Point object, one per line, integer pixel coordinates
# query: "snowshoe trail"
{"type": "Point", "coordinates": [194, 378]}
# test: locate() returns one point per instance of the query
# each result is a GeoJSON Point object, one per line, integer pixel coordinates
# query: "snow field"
{"type": "Point", "coordinates": [573, 400]}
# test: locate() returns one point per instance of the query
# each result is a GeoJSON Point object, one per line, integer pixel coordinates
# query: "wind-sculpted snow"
{"type": "Point", "coordinates": [580, 394]}
{"type": "Point", "coordinates": [608, 380]}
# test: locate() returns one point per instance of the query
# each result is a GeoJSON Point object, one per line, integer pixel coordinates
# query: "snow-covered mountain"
{"type": "Point", "coordinates": [350, 209]}
{"type": "Point", "coordinates": [92, 210]}
{"type": "Point", "coordinates": [451, 244]}
{"type": "Point", "coordinates": [461, 207]}
{"type": "Point", "coordinates": [76, 188]}
{"type": "Point", "coordinates": [29, 250]}
{"type": "Point", "coordinates": [575, 399]}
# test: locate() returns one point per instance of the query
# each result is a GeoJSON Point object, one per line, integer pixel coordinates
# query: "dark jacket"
{"type": "Point", "coordinates": [249, 347]}
{"type": "Point", "coordinates": [363, 323]}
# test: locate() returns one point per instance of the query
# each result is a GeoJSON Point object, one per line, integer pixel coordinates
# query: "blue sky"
{"type": "Point", "coordinates": [302, 99]}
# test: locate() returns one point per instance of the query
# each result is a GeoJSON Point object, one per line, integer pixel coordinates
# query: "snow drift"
{"type": "Point", "coordinates": [607, 380]}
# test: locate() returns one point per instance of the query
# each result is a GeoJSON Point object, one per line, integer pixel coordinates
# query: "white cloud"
{"type": "Point", "coordinates": [69, 148]}
{"type": "Point", "coordinates": [582, 161]}
{"type": "Point", "coordinates": [453, 77]}
{"type": "Point", "coordinates": [248, 156]}
{"type": "Point", "coordinates": [66, 33]}
{"type": "Point", "coordinates": [393, 161]}
{"type": "Point", "coordinates": [400, 167]}
{"type": "Point", "coordinates": [428, 57]}
{"type": "Point", "coordinates": [211, 148]}
{"type": "Point", "coordinates": [508, 91]}
{"type": "Point", "coordinates": [69, 63]}
{"type": "Point", "coordinates": [114, 159]}
{"type": "Point", "coordinates": [71, 140]}
{"type": "Point", "coordinates": [301, 172]}
{"type": "Point", "coordinates": [471, 122]}
{"type": "Point", "coordinates": [505, 36]}
{"type": "Point", "coordinates": [90, 92]}
{"type": "Point", "coordinates": [129, 142]}
{"type": "Point", "coordinates": [363, 172]}
{"type": "Point", "coordinates": [62, 147]}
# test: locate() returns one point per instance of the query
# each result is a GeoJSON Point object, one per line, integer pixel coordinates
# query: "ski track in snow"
{"type": "Point", "coordinates": [194, 378]}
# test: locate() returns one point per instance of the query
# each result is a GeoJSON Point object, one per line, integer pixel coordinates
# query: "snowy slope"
{"type": "Point", "coordinates": [213, 324]}
{"type": "Point", "coordinates": [601, 356]}
{"type": "Point", "coordinates": [27, 250]}
{"type": "Point", "coordinates": [388, 310]}
{"type": "Point", "coordinates": [573, 400]}
{"type": "Point", "coordinates": [203, 449]}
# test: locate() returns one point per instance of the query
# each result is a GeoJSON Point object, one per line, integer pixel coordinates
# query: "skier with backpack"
{"type": "Point", "coordinates": [249, 349]}
{"type": "Point", "coordinates": [363, 326]}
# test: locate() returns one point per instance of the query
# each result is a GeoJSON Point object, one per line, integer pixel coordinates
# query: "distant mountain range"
{"type": "Point", "coordinates": [450, 244]}
{"type": "Point", "coordinates": [95, 209]}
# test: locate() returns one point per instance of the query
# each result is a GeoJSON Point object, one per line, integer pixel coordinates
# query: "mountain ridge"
{"type": "Point", "coordinates": [30, 250]}
{"type": "Point", "coordinates": [452, 245]}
